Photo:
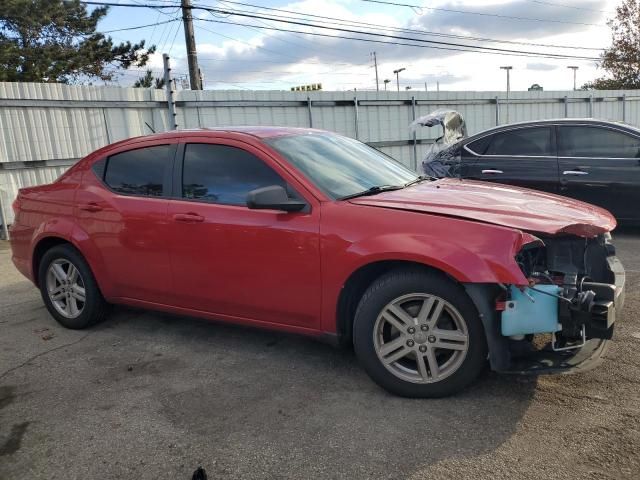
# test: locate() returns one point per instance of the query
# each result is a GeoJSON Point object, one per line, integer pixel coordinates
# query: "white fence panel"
{"type": "Point", "coordinates": [44, 128]}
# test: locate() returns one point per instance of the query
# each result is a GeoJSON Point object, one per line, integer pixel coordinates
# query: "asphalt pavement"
{"type": "Point", "coordinates": [152, 396]}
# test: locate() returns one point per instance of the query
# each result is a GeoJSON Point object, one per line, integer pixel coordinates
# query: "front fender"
{"type": "Point", "coordinates": [491, 262]}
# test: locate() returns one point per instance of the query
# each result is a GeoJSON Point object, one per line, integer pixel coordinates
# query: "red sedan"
{"type": "Point", "coordinates": [310, 232]}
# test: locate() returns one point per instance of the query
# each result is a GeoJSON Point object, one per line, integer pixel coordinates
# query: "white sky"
{"type": "Point", "coordinates": [245, 57]}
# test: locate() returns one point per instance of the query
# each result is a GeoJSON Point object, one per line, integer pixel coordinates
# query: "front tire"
{"type": "Point", "coordinates": [69, 289]}
{"type": "Point", "coordinates": [418, 334]}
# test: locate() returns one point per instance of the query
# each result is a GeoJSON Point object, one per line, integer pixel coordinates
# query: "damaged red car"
{"type": "Point", "coordinates": [311, 232]}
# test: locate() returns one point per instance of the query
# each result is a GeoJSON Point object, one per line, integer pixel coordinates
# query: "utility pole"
{"type": "Point", "coordinates": [438, 86]}
{"type": "Point", "coordinates": [508, 69]}
{"type": "Point", "coordinates": [169, 88]}
{"type": "Point", "coordinates": [190, 40]}
{"type": "Point", "coordinates": [397, 73]}
{"type": "Point", "coordinates": [425, 86]}
{"type": "Point", "coordinates": [574, 68]}
{"type": "Point", "coordinates": [375, 64]}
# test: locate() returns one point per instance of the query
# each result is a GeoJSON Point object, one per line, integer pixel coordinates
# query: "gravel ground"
{"type": "Point", "coordinates": [147, 395]}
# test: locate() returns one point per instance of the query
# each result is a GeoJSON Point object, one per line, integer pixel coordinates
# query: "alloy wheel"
{"type": "Point", "coordinates": [65, 288]}
{"type": "Point", "coordinates": [421, 338]}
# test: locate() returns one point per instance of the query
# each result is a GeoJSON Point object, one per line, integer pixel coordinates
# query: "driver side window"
{"type": "Point", "coordinates": [223, 174]}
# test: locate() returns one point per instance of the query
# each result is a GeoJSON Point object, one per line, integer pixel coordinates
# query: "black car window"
{"type": "Point", "coordinates": [140, 171]}
{"type": "Point", "coordinates": [223, 174]}
{"type": "Point", "coordinates": [480, 146]}
{"type": "Point", "coordinates": [585, 141]}
{"type": "Point", "coordinates": [534, 141]}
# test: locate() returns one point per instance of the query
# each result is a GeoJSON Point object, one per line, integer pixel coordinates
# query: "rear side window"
{"type": "Point", "coordinates": [139, 172]}
{"type": "Point", "coordinates": [523, 141]}
{"type": "Point", "coordinates": [223, 174]}
{"type": "Point", "coordinates": [594, 142]}
{"type": "Point", "coordinates": [480, 146]}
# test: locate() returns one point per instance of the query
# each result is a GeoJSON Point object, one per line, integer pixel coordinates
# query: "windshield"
{"type": "Point", "coordinates": [341, 166]}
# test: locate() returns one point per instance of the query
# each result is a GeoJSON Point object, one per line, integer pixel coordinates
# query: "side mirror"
{"type": "Point", "coordinates": [273, 197]}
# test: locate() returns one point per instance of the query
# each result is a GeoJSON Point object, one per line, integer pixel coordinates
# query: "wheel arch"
{"type": "Point", "coordinates": [358, 282]}
{"type": "Point", "coordinates": [43, 245]}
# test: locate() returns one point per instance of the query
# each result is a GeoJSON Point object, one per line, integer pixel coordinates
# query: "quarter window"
{"type": "Point", "coordinates": [535, 142]}
{"type": "Point", "coordinates": [223, 174]}
{"type": "Point", "coordinates": [583, 141]}
{"type": "Point", "coordinates": [140, 171]}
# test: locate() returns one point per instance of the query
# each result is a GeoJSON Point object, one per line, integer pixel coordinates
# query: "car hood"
{"type": "Point", "coordinates": [498, 204]}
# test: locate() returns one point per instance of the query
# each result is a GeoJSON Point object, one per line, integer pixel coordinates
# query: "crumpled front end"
{"type": "Point", "coordinates": [564, 318]}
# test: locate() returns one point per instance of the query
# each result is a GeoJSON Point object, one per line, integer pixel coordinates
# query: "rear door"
{"type": "Point", "coordinates": [522, 156]}
{"type": "Point", "coordinates": [121, 205]}
{"type": "Point", "coordinates": [601, 165]}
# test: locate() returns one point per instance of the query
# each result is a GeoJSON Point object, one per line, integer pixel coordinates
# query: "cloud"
{"type": "Point", "coordinates": [576, 19]}
{"type": "Point", "coordinates": [541, 67]}
{"type": "Point", "coordinates": [268, 57]}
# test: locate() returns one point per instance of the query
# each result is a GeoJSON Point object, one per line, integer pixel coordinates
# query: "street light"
{"type": "Point", "coordinates": [408, 87]}
{"type": "Point", "coordinates": [397, 72]}
{"type": "Point", "coordinates": [574, 68]}
{"type": "Point", "coordinates": [508, 69]}
{"type": "Point", "coordinates": [386, 80]}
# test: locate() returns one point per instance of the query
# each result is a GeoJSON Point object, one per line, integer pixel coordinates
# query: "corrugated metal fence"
{"type": "Point", "coordinates": [44, 128]}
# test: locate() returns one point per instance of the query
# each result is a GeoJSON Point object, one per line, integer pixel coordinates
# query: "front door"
{"type": "Point", "coordinates": [601, 165]}
{"type": "Point", "coordinates": [523, 156]}
{"type": "Point", "coordinates": [236, 262]}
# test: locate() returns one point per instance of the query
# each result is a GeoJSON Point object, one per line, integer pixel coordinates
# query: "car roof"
{"type": "Point", "coordinates": [254, 131]}
{"type": "Point", "coordinates": [557, 121]}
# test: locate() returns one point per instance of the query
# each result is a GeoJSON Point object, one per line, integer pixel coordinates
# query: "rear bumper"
{"type": "Point", "coordinates": [20, 241]}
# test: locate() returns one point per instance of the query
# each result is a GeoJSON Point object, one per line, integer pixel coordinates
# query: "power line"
{"type": "Point", "coordinates": [138, 27]}
{"type": "Point", "coordinates": [325, 19]}
{"type": "Point", "coordinates": [496, 15]}
{"type": "Point", "coordinates": [469, 49]}
{"type": "Point", "coordinates": [479, 49]}
{"type": "Point", "coordinates": [574, 7]}
{"type": "Point", "coordinates": [466, 47]}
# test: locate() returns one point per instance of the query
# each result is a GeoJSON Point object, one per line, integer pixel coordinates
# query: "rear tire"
{"type": "Point", "coordinates": [418, 334]}
{"type": "Point", "coordinates": [69, 289]}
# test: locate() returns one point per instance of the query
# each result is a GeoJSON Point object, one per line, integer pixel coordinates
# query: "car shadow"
{"type": "Point", "coordinates": [293, 404]}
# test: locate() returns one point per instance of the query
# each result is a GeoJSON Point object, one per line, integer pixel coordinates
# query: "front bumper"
{"type": "Point", "coordinates": [547, 361]}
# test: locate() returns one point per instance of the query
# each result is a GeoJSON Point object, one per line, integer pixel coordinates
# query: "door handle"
{"type": "Point", "coordinates": [188, 217]}
{"type": "Point", "coordinates": [91, 207]}
{"type": "Point", "coordinates": [574, 172]}
{"type": "Point", "coordinates": [492, 171]}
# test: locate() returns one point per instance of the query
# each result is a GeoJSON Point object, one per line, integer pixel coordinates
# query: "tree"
{"type": "Point", "coordinates": [57, 41]}
{"type": "Point", "coordinates": [149, 81]}
{"type": "Point", "coordinates": [622, 60]}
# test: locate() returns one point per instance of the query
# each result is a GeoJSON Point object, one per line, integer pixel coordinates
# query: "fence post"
{"type": "Point", "coordinates": [3, 217]}
{"type": "Point", "coordinates": [566, 106]}
{"type": "Point", "coordinates": [106, 126]}
{"type": "Point", "coordinates": [198, 114]}
{"type": "Point", "coordinates": [497, 112]}
{"type": "Point", "coordinates": [591, 105]}
{"type": "Point", "coordinates": [355, 104]}
{"type": "Point", "coordinates": [415, 147]}
{"type": "Point", "coordinates": [624, 107]}
{"type": "Point", "coordinates": [310, 114]}
{"type": "Point", "coordinates": [171, 104]}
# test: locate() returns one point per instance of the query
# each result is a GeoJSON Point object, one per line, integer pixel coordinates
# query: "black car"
{"type": "Point", "coordinates": [590, 160]}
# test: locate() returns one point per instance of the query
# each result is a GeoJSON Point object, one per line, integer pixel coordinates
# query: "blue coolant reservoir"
{"type": "Point", "coordinates": [536, 313]}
